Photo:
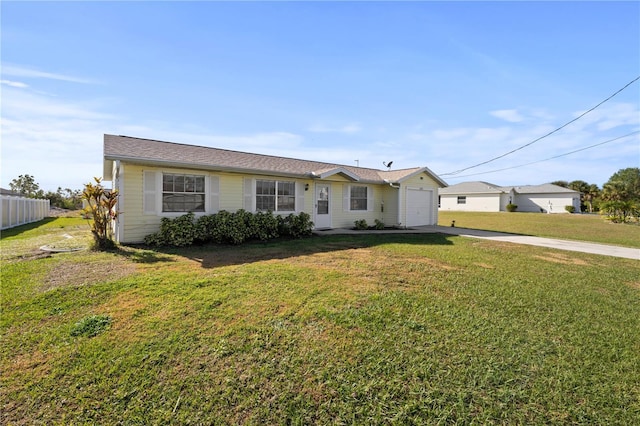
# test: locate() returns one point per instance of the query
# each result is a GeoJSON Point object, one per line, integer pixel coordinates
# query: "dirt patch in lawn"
{"type": "Point", "coordinates": [635, 284]}
{"type": "Point", "coordinates": [80, 273]}
{"type": "Point", "coordinates": [562, 258]}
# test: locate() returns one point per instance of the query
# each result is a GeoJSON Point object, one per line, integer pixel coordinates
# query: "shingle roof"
{"type": "Point", "coordinates": [476, 187]}
{"type": "Point", "coordinates": [154, 152]}
{"type": "Point", "coordinates": [545, 188]}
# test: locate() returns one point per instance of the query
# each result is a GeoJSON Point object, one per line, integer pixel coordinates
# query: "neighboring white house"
{"type": "Point", "coordinates": [486, 197]}
{"type": "Point", "coordinates": [158, 179]}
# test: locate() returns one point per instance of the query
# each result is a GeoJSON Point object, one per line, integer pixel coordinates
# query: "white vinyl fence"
{"type": "Point", "coordinates": [17, 211]}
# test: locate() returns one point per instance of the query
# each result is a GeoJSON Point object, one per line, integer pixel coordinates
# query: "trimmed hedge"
{"type": "Point", "coordinates": [229, 228]}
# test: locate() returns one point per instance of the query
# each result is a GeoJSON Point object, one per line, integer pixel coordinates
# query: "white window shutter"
{"type": "Point", "coordinates": [345, 198]}
{"type": "Point", "coordinates": [214, 193]}
{"type": "Point", "coordinates": [248, 195]}
{"type": "Point", "coordinates": [299, 197]}
{"type": "Point", "coordinates": [369, 199]}
{"type": "Point", "coordinates": [150, 192]}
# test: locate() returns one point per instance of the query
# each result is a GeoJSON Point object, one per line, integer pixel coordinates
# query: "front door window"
{"type": "Point", "coordinates": [323, 200]}
{"type": "Point", "coordinates": [323, 209]}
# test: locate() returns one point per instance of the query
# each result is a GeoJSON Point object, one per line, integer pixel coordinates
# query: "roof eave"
{"type": "Point", "coordinates": [473, 192]}
{"type": "Point", "coordinates": [428, 172]}
{"type": "Point", "coordinates": [198, 166]}
{"type": "Point", "coordinates": [337, 171]}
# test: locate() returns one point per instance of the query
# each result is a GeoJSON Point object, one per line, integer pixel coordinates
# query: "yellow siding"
{"type": "Point", "coordinates": [346, 219]}
{"type": "Point", "coordinates": [136, 224]}
{"type": "Point", "coordinates": [390, 197]}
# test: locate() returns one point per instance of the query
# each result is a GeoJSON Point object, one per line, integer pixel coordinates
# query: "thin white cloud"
{"type": "Point", "coordinates": [510, 115]}
{"type": "Point", "coordinates": [350, 128]}
{"type": "Point", "coordinates": [19, 103]}
{"type": "Point", "coordinates": [18, 71]}
{"type": "Point", "coordinates": [17, 84]}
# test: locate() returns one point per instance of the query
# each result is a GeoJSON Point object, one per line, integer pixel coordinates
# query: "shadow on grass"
{"type": "Point", "coordinates": [141, 254]}
{"type": "Point", "coordinates": [215, 256]}
{"type": "Point", "coordinates": [12, 232]}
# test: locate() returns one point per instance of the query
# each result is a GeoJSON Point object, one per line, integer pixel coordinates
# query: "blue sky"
{"type": "Point", "coordinates": [442, 85]}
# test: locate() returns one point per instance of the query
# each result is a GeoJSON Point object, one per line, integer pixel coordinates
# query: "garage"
{"type": "Point", "coordinates": [419, 207]}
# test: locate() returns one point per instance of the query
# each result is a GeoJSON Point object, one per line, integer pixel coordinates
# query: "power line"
{"type": "Point", "coordinates": [544, 136]}
{"type": "Point", "coordinates": [554, 157]}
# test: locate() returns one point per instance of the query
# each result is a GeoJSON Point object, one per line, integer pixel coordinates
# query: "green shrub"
{"type": "Point", "coordinates": [206, 227]}
{"type": "Point", "coordinates": [379, 225]}
{"type": "Point", "coordinates": [361, 224]}
{"type": "Point", "coordinates": [229, 228]}
{"type": "Point", "coordinates": [224, 227]}
{"type": "Point", "coordinates": [91, 326]}
{"type": "Point", "coordinates": [511, 207]}
{"type": "Point", "coordinates": [296, 226]}
{"type": "Point", "coordinates": [180, 231]}
{"type": "Point", "coordinates": [264, 226]}
{"type": "Point", "coordinates": [570, 209]}
{"type": "Point", "coordinates": [233, 228]}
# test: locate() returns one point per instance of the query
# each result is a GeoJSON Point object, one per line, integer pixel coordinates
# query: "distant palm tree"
{"type": "Point", "coordinates": [590, 195]}
{"type": "Point", "coordinates": [582, 187]}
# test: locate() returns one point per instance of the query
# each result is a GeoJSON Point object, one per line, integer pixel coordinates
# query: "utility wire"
{"type": "Point", "coordinates": [544, 136]}
{"type": "Point", "coordinates": [554, 157]}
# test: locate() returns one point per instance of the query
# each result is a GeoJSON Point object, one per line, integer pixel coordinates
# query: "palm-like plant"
{"type": "Point", "coordinates": [101, 210]}
{"type": "Point", "coordinates": [590, 195]}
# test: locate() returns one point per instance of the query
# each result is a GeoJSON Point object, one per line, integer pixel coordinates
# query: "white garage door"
{"type": "Point", "coordinates": [419, 207]}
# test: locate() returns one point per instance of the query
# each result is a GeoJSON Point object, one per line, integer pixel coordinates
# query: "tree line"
{"type": "Point", "coordinates": [26, 185]}
{"type": "Point", "coordinates": [618, 199]}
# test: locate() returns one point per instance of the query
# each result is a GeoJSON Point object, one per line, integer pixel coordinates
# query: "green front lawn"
{"type": "Point", "coordinates": [370, 329]}
{"type": "Point", "coordinates": [582, 227]}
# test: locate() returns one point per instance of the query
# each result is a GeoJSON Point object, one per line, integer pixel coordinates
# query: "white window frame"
{"type": "Point", "coordinates": [153, 190]}
{"type": "Point", "coordinates": [353, 200]}
{"type": "Point", "coordinates": [276, 196]}
{"type": "Point", "coordinates": [347, 198]}
{"type": "Point", "coordinates": [462, 199]}
{"type": "Point", "coordinates": [185, 192]}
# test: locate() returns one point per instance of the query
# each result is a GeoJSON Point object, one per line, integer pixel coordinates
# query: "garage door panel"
{"type": "Point", "coordinates": [419, 207]}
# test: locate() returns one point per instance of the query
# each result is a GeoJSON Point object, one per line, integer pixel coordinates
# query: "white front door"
{"type": "Point", "coordinates": [322, 219]}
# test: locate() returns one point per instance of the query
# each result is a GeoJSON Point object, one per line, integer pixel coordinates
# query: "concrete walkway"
{"type": "Point", "coordinates": [578, 246]}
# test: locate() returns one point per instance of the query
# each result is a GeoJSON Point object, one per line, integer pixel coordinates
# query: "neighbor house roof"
{"type": "Point", "coordinates": [159, 153]}
{"type": "Point", "coordinates": [545, 188]}
{"type": "Point", "coordinates": [479, 187]}
{"type": "Point", "coordinates": [476, 187]}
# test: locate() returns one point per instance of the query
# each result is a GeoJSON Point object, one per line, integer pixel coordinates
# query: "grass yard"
{"type": "Point", "coordinates": [582, 227]}
{"type": "Point", "coordinates": [368, 329]}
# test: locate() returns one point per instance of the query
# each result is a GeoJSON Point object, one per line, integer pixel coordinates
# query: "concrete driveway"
{"type": "Point", "coordinates": [578, 246]}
